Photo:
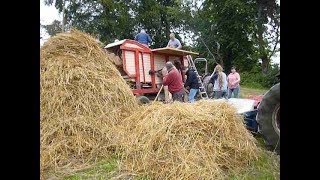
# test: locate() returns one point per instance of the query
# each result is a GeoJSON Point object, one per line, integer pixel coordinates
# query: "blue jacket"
{"type": "Point", "coordinates": [143, 38]}
{"type": "Point", "coordinates": [192, 80]}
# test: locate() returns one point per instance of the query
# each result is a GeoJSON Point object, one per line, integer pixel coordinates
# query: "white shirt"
{"type": "Point", "coordinates": [216, 86]}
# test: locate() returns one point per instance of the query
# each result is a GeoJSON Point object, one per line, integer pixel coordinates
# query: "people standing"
{"type": "Point", "coordinates": [180, 68]}
{"type": "Point", "coordinates": [233, 83]}
{"type": "Point", "coordinates": [192, 83]}
{"type": "Point", "coordinates": [182, 71]}
{"type": "Point", "coordinates": [220, 83]}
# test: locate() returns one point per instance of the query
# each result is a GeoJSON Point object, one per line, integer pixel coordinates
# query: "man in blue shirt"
{"type": "Point", "coordinates": [173, 42]}
{"type": "Point", "coordinates": [143, 38]}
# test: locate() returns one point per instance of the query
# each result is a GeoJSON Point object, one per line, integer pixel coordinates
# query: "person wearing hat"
{"type": "Point", "coordinates": [174, 82]}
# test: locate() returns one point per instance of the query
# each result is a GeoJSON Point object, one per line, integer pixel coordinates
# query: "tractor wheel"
{"type": "Point", "coordinates": [268, 117]}
{"type": "Point", "coordinates": [143, 100]}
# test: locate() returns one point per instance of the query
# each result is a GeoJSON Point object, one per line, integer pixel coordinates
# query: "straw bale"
{"type": "Point", "coordinates": [201, 140]}
{"type": "Point", "coordinates": [82, 98]}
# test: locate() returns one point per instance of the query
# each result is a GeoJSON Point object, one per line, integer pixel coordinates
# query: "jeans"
{"type": "Point", "coordinates": [192, 94]}
{"type": "Point", "coordinates": [235, 92]}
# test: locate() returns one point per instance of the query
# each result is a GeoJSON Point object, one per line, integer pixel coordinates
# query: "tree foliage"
{"type": "Point", "coordinates": [237, 32]}
{"type": "Point", "coordinates": [267, 31]}
{"type": "Point", "coordinates": [226, 26]}
{"type": "Point", "coordinates": [53, 28]}
{"type": "Point", "coordinates": [160, 18]}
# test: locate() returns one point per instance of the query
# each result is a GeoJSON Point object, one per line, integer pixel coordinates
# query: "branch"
{"type": "Point", "coordinates": [48, 2]}
{"type": "Point", "coordinates": [275, 46]}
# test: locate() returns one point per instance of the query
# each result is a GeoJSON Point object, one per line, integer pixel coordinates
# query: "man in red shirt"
{"type": "Point", "coordinates": [174, 82]}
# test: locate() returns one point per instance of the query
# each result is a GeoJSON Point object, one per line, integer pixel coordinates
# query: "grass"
{"type": "Point", "coordinates": [266, 167]}
{"type": "Point", "coordinates": [102, 170]}
{"type": "Point", "coordinates": [245, 92]}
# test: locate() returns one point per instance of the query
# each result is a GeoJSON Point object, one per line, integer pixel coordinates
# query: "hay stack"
{"type": "Point", "coordinates": [202, 140]}
{"type": "Point", "coordinates": [82, 98]}
{"type": "Point", "coordinates": [115, 59]}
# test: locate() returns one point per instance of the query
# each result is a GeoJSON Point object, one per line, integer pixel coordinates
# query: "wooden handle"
{"type": "Point", "coordinates": [158, 93]}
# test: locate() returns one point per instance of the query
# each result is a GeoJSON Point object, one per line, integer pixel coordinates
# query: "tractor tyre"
{"type": "Point", "coordinates": [268, 117]}
{"type": "Point", "coordinates": [143, 100]}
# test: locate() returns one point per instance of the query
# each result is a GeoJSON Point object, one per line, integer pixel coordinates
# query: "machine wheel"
{"type": "Point", "coordinates": [268, 117]}
{"type": "Point", "coordinates": [210, 91]}
{"type": "Point", "coordinates": [143, 100]}
{"type": "Point", "coordinates": [207, 85]}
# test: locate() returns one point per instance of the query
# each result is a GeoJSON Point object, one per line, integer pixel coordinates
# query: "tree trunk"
{"type": "Point", "coordinates": [63, 15]}
{"type": "Point", "coordinates": [265, 64]}
{"type": "Point", "coordinates": [219, 58]}
{"type": "Point", "coordinates": [228, 61]}
{"type": "Point", "coordinates": [160, 30]}
{"type": "Point", "coordinates": [262, 54]}
{"type": "Point", "coordinates": [167, 27]}
{"type": "Point", "coordinates": [166, 4]}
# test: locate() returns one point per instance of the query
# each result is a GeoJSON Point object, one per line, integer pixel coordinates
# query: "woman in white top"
{"type": "Point", "coordinates": [220, 83]}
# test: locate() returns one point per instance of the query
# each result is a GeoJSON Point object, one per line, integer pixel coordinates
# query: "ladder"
{"type": "Point", "coordinates": [201, 90]}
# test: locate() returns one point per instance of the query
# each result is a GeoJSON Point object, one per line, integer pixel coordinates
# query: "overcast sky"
{"type": "Point", "coordinates": [49, 13]}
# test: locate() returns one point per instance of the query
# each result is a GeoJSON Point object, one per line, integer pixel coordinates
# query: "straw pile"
{"type": "Point", "coordinates": [202, 140]}
{"type": "Point", "coordinates": [83, 98]}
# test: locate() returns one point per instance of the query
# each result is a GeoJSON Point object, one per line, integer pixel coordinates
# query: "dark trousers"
{"type": "Point", "coordinates": [220, 94]}
{"type": "Point", "coordinates": [178, 95]}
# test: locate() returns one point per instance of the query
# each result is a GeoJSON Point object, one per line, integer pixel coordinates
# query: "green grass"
{"type": "Point", "coordinates": [266, 167]}
{"type": "Point", "coordinates": [245, 91]}
{"type": "Point", "coordinates": [102, 170]}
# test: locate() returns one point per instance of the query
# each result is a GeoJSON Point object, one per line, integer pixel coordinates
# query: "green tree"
{"type": "Point", "coordinates": [268, 14]}
{"type": "Point", "coordinates": [106, 19]}
{"type": "Point", "coordinates": [122, 19]}
{"type": "Point", "coordinates": [235, 31]}
{"type": "Point", "coordinates": [161, 17]}
{"type": "Point", "coordinates": [226, 27]}
{"type": "Point", "coordinates": [53, 28]}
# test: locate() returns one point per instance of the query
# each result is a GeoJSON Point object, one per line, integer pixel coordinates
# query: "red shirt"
{"type": "Point", "coordinates": [173, 80]}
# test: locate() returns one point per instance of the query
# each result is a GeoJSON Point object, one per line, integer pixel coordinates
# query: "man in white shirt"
{"type": "Point", "coordinates": [174, 42]}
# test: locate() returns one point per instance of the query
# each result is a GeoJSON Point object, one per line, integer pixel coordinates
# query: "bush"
{"type": "Point", "coordinates": [258, 80]}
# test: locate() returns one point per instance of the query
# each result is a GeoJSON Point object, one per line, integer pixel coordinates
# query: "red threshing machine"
{"type": "Point", "coordinates": [135, 61]}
